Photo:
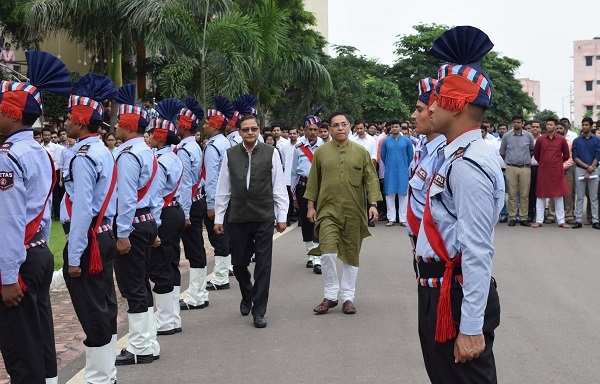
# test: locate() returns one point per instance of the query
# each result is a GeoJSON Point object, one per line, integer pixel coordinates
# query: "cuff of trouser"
{"type": "Point", "coordinates": [471, 326]}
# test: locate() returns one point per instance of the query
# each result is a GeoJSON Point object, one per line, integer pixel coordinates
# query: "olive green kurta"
{"type": "Point", "coordinates": [339, 178]}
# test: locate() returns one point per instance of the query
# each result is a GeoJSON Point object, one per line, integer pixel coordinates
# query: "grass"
{"type": "Point", "coordinates": [57, 243]}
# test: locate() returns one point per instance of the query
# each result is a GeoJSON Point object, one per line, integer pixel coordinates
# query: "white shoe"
{"type": "Point", "coordinates": [196, 294]}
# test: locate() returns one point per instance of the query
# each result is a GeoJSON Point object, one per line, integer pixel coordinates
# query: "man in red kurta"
{"type": "Point", "coordinates": [550, 151]}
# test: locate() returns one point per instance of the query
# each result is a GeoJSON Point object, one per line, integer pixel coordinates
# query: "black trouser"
{"type": "Point", "coordinates": [532, 196]}
{"type": "Point", "coordinates": [220, 243]}
{"type": "Point", "coordinates": [308, 228]}
{"type": "Point", "coordinates": [27, 331]}
{"type": "Point", "coordinates": [292, 214]}
{"type": "Point", "coordinates": [93, 296]}
{"type": "Point", "coordinates": [439, 358]}
{"type": "Point", "coordinates": [242, 237]}
{"type": "Point", "coordinates": [57, 195]}
{"type": "Point", "coordinates": [193, 242]}
{"type": "Point", "coordinates": [382, 205]}
{"type": "Point", "coordinates": [164, 260]}
{"type": "Point", "coordinates": [131, 269]}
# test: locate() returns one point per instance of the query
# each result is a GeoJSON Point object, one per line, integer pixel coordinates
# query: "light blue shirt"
{"type": "Point", "coordinates": [300, 163]}
{"type": "Point", "coordinates": [67, 155]}
{"type": "Point", "coordinates": [169, 173]}
{"type": "Point", "coordinates": [213, 157]}
{"type": "Point", "coordinates": [190, 154]}
{"type": "Point", "coordinates": [134, 161]}
{"type": "Point", "coordinates": [25, 179]}
{"type": "Point", "coordinates": [420, 181]}
{"type": "Point", "coordinates": [87, 181]}
{"type": "Point", "coordinates": [466, 218]}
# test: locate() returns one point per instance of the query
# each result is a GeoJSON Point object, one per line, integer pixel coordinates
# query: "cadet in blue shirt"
{"type": "Point", "coordinates": [586, 154]}
{"type": "Point", "coordinates": [90, 181]}
{"type": "Point", "coordinates": [424, 157]}
{"type": "Point", "coordinates": [190, 154]}
{"type": "Point", "coordinates": [164, 260]}
{"type": "Point", "coordinates": [455, 241]}
{"type": "Point", "coordinates": [26, 263]}
{"type": "Point", "coordinates": [301, 163]}
{"type": "Point", "coordinates": [136, 232]}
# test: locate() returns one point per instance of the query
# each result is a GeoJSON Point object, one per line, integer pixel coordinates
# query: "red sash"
{"type": "Point", "coordinates": [96, 266]}
{"type": "Point", "coordinates": [307, 152]}
{"type": "Point", "coordinates": [413, 221]}
{"type": "Point", "coordinates": [142, 192]}
{"type": "Point", "coordinates": [445, 328]}
{"type": "Point", "coordinates": [169, 198]}
{"type": "Point", "coordinates": [34, 225]}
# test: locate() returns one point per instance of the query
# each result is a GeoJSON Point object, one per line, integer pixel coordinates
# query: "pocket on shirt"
{"type": "Point", "coordinates": [356, 175]}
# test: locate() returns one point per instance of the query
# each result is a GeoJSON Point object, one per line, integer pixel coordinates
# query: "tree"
{"type": "Point", "coordinates": [544, 115]}
{"type": "Point", "coordinates": [13, 24]}
{"type": "Point", "coordinates": [414, 63]}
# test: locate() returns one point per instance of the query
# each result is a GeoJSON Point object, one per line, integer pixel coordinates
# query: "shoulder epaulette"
{"type": "Point", "coordinates": [126, 149]}
{"type": "Point", "coordinates": [83, 150]}
{"type": "Point", "coordinates": [5, 147]}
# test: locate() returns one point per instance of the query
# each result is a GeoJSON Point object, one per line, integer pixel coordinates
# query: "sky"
{"type": "Point", "coordinates": [539, 34]}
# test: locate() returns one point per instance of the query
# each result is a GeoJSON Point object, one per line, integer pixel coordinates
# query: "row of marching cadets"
{"type": "Point", "coordinates": [125, 215]}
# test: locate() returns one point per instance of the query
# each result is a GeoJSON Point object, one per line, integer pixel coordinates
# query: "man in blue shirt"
{"type": "Point", "coordinates": [586, 154]}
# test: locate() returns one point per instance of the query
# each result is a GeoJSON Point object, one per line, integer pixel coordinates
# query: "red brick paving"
{"type": "Point", "coordinates": [67, 330]}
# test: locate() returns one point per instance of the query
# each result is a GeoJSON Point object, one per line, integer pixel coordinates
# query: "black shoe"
{"type": "Point", "coordinates": [210, 286]}
{"type": "Point", "coordinates": [186, 307]}
{"type": "Point", "coordinates": [317, 269]}
{"type": "Point", "coordinates": [128, 358]}
{"type": "Point", "coordinates": [260, 321]}
{"type": "Point", "coordinates": [596, 225]}
{"type": "Point", "coordinates": [577, 225]}
{"type": "Point", "coordinates": [512, 223]}
{"type": "Point", "coordinates": [503, 219]}
{"type": "Point", "coordinates": [231, 274]}
{"type": "Point", "coordinates": [309, 264]}
{"type": "Point", "coordinates": [371, 223]}
{"type": "Point", "coordinates": [169, 332]}
{"type": "Point", "coordinates": [525, 223]}
{"type": "Point", "coordinates": [245, 308]}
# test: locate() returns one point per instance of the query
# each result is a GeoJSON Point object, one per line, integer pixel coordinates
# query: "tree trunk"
{"type": "Point", "coordinates": [115, 70]}
{"type": "Point", "coordinates": [140, 65]}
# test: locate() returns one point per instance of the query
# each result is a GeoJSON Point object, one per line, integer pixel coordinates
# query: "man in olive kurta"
{"type": "Point", "coordinates": [342, 174]}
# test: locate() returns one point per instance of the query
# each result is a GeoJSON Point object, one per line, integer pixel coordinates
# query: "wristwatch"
{"type": "Point", "coordinates": [373, 205]}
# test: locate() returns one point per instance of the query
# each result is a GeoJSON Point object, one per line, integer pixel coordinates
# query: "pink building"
{"type": "Point", "coordinates": [532, 88]}
{"type": "Point", "coordinates": [586, 79]}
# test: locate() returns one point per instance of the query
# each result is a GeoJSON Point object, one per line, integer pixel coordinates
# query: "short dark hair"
{"type": "Point", "coordinates": [336, 114]}
{"type": "Point", "coordinates": [405, 122]}
{"type": "Point", "coordinates": [29, 119]}
{"type": "Point", "coordinates": [61, 130]}
{"type": "Point", "coordinates": [502, 125]}
{"type": "Point", "coordinates": [552, 118]}
{"type": "Point", "coordinates": [517, 117]}
{"type": "Point", "coordinates": [359, 122]}
{"type": "Point", "coordinates": [588, 120]}
{"type": "Point", "coordinates": [392, 122]}
{"type": "Point", "coordinates": [247, 117]}
{"type": "Point", "coordinates": [324, 124]}
{"type": "Point", "coordinates": [534, 121]}
{"type": "Point", "coordinates": [564, 119]}
{"type": "Point", "coordinates": [46, 129]}
{"type": "Point", "coordinates": [37, 132]}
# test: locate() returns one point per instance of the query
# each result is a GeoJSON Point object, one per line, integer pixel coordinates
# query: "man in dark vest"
{"type": "Point", "coordinates": [252, 184]}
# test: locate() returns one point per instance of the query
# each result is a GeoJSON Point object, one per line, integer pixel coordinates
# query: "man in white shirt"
{"type": "Point", "coordinates": [55, 151]}
{"type": "Point", "coordinates": [288, 155]}
{"type": "Point", "coordinates": [252, 184]}
{"type": "Point", "coordinates": [367, 141]}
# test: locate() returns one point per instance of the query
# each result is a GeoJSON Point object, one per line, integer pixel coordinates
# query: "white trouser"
{"type": "Point", "coordinates": [196, 294]}
{"type": "Point", "coordinates": [165, 316]}
{"type": "Point", "coordinates": [308, 245]}
{"type": "Point", "coordinates": [332, 289]}
{"type": "Point", "coordinates": [221, 270]}
{"type": "Point", "coordinates": [176, 309]}
{"type": "Point", "coordinates": [52, 380]}
{"type": "Point", "coordinates": [540, 207]}
{"type": "Point", "coordinates": [390, 201]}
{"type": "Point", "coordinates": [100, 364]}
{"type": "Point", "coordinates": [113, 348]}
{"type": "Point", "coordinates": [139, 341]}
{"type": "Point", "coordinates": [151, 325]}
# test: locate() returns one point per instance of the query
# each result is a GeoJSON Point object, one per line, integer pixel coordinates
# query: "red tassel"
{"type": "Point", "coordinates": [185, 122]}
{"type": "Point", "coordinates": [216, 121]}
{"type": "Point", "coordinates": [129, 121]}
{"type": "Point", "coordinates": [445, 329]}
{"type": "Point", "coordinates": [160, 134]}
{"type": "Point", "coordinates": [81, 114]}
{"type": "Point", "coordinates": [11, 111]}
{"type": "Point", "coordinates": [451, 103]}
{"type": "Point", "coordinates": [95, 260]}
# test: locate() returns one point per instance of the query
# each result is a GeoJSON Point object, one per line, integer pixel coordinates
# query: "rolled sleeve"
{"type": "Point", "coordinates": [83, 195]}
{"type": "Point", "coordinates": [223, 193]}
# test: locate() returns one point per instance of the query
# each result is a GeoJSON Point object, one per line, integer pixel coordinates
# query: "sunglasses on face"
{"type": "Point", "coordinates": [246, 130]}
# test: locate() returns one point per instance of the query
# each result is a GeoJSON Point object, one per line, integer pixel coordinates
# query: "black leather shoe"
{"type": "Point", "coordinates": [525, 224]}
{"type": "Point", "coordinates": [210, 286]}
{"type": "Point", "coordinates": [512, 223]}
{"type": "Point", "coordinates": [245, 308]}
{"type": "Point", "coordinates": [577, 226]}
{"type": "Point", "coordinates": [188, 307]}
{"type": "Point", "coordinates": [260, 321]}
{"type": "Point", "coordinates": [317, 269]}
{"type": "Point", "coordinates": [596, 225]}
{"type": "Point", "coordinates": [309, 264]}
{"type": "Point", "coordinates": [128, 358]}
{"type": "Point", "coordinates": [169, 332]}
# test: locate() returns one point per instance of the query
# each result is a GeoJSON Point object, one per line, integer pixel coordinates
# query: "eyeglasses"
{"type": "Point", "coordinates": [246, 130]}
{"type": "Point", "coordinates": [341, 125]}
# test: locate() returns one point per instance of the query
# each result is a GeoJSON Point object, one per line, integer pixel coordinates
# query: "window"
{"type": "Point", "coordinates": [597, 82]}
{"type": "Point", "coordinates": [588, 61]}
{"type": "Point", "coordinates": [588, 85]}
{"type": "Point", "coordinates": [597, 57]}
{"type": "Point", "coordinates": [589, 109]}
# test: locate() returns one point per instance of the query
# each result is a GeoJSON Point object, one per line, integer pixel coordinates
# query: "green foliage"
{"type": "Point", "coordinates": [13, 25]}
{"type": "Point", "coordinates": [545, 114]}
{"type": "Point", "coordinates": [414, 63]}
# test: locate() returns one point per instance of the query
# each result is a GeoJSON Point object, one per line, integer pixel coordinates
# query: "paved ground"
{"type": "Point", "coordinates": [549, 331]}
